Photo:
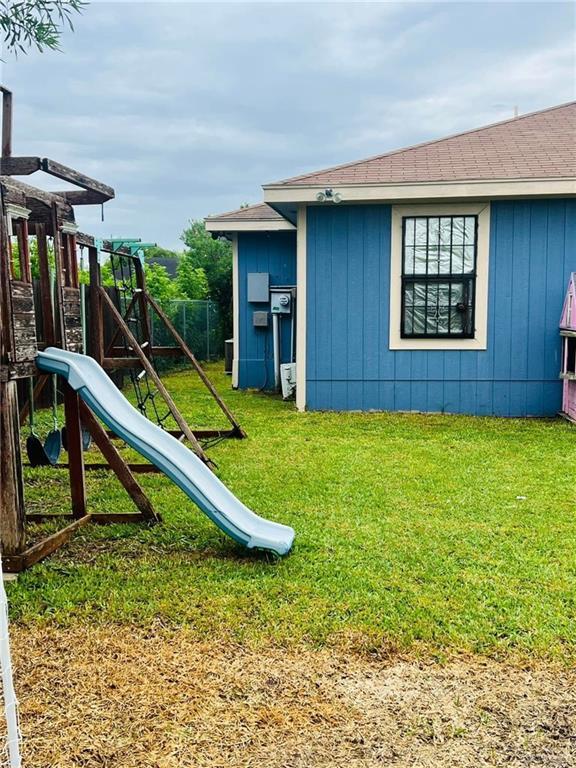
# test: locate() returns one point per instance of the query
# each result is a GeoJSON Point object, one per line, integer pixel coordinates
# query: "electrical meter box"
{"type": "Point", "coordinates": [280, 301]}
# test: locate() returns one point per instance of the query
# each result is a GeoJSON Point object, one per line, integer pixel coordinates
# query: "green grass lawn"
{"type": "Point", "coordinates": [419, 533]}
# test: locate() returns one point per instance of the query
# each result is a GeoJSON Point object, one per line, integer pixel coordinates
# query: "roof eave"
{"type": "Point", "coordinates": [468, 188]}
{"type": "Point", "coordinates": [254, 225]}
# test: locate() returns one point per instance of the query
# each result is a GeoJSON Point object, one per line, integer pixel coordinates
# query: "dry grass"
{"type": "Point", "coordinates": [101, 697]}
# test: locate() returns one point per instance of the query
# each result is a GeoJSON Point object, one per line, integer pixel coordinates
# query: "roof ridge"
{"type": "Point", "coordinates": [237, 210]}
{"type": "Point", "coordinates": [392, 152]}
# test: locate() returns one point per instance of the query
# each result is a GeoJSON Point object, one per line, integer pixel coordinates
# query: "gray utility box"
{"type": "Point", "coordinates": [228, 355]}
{"type": "Point", "coordinates": [258, 287]}
{"type": "Point", "coordinates": [260, 319]}
{"type": "Point", "coordinates": [280, 301]}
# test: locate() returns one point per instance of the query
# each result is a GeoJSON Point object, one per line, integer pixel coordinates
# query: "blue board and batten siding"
{"type": "Point", "coordinates": [275, 253]}
{"type": "Point", "coordinates": [349, 364]}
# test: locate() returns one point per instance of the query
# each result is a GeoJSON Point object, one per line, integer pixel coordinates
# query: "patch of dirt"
{"type": "Point", "coordinates": [130, 698]}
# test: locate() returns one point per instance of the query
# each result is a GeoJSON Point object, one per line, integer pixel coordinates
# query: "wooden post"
{"type": "Point", "coordinates": [59, 267]}
{"type": "Point", "coordinates": [141, 295]}
{"type": "Point", "coordinates": [190, 355]}
{"type": "Point", "coordinates": [6, 122]}
{"type": "Point", "coordinates": [73, 260]}
{"type": "Point", "coordinates": [96, 326]}
{"type": "Point", "coordinates": [118, 464]}
{"type": "Point", "coordinates": [45, 285]}
{"type": "Point", "coordinates": [75, 452]}
{"type": "Point", "coordinates": [24, 251]}
{"type": "Point", "coordinates": [12, 512]}
{"type": "Point", "coordinates": [6, 337]}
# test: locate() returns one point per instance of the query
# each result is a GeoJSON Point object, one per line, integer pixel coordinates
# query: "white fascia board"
{"type": "Point", "coordinates": [455, 190]}
{"type": "Point", "coordinates": [229, 225]}
{"type": "Point", "coordinates": [235, 311]}
{"type": "Point", "coordinates": [69, 228]}
{"type": "Point", "coordinates": [14, 211]}
{"type": "Point", "coordinates": [301, 319]}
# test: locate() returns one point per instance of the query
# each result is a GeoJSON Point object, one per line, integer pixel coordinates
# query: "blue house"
{"type": "Point", "coordinates": [430, 278]}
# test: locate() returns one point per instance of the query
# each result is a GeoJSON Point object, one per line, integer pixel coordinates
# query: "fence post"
{"type": "Point", "coordinates": [184, 326]}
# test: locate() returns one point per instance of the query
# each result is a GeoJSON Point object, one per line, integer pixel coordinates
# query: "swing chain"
{"type": "Point", "coordinates": [54, 402]}
{"type": "Point", "coordinates": [31, 410]}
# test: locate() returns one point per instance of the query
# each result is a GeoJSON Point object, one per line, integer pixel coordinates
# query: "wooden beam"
{"type": "Point", "coordinates": [75, 177]}
{"type": "Point", "coordinates": [150, 370]}
{"type": "Point", "coordinates": [45, 284]}
{"type": "Point", "coordinates": [19, 166]}
{"type": "Point", "coordinates": [199, 433]}
{"type": "Point", "coordinates": [61, 279]}
{"type": "Point", "coordinates": [32, 555]}
{"type": "Point", "coordinates": [83, 197]}
{"type": "Point", "coordinates": [196, 365]}
{"type": "Point", "coordinates": [83, 239]}
{"type": "Point", "coordinates": [6, 122]}
{"type": "Point", "coordinates": [118, 517]}
{"type": "Point", "coordinates": [118, 464]}
{"type": "Point", "coordinates": [96, 348]}
{"type": "Point", "coordinates": [156, 352]}
{"type": "Point", "coordinates": [75, 451]}
{"type": "Point", "coordinates": [95, 517]}
{"type": "Point", "coordinates": [23, 250]}
{"type": "Point", "coordinates": [113, 363]}
{"type": "Point", "coordinates": [103, 467]}
{"type": "Point", "coordinates": [12, 514]}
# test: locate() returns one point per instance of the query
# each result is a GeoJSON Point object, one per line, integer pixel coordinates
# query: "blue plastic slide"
{"type": "Point", "coordinates": [179, 463]}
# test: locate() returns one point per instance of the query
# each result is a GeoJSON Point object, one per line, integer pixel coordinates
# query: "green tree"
{"type": "Point", "coordinates": [106, 274]}
{"type": "Point", "coordinates": [36, 24]}
{"type": "Point", "coordinates": [215, 258]}
{"type": "Point", "coordinates": [192, 281]}
{"type": "Point", "coordinates": [160, 285]}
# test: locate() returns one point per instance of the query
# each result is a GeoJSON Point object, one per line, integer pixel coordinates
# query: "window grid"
{"type": "Point", "coordinates": [457, 286]}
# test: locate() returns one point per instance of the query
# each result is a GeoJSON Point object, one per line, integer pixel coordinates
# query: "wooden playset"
{"type": "Point", "coordinates": [568, 333]}
{"type": "Point", "coordinates": [131, 348]}
{"type": "Point", "coordinates": [50, 316]}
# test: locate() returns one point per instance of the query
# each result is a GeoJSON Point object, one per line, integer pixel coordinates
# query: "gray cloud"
{"type": "Point", "coordinates": [186, 109]}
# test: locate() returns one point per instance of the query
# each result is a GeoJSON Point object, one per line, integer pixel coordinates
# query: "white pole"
{"type": "Point", "coordinates": [276, 344]}
{"type": "Point", "coordinates": [10, 701]}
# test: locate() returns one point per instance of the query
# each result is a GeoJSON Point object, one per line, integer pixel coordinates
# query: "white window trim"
{"type": "Point", "coordinates": [480, 340]}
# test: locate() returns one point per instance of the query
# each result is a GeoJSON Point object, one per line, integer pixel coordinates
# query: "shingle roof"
{"type": "Point", "coordinates": [259, 212]}
{"type": "Point", "coordinates": [538, 145]}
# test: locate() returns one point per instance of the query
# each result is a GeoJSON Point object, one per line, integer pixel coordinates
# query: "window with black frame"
{"type": "Point", "coordinates": [438, 276]}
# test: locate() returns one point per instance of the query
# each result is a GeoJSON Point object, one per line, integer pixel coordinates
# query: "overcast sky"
{"type": "Point", "coordinates": [186, 109]}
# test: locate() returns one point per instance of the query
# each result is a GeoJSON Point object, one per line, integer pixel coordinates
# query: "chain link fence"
{"type": "Point", "coordinates": [198, 322]}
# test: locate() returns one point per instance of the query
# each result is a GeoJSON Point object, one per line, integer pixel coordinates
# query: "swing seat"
{"type": "Point", "coordinates": [86, 439]}
{"type": "Point", "coordinates": [44, 454]}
